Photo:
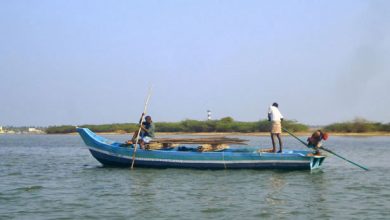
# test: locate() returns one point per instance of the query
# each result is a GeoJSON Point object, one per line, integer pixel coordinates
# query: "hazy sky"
{"type": "Point", "coordinates": [77, 62]}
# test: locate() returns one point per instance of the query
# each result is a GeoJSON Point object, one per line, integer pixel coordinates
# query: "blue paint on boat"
{"type": "Point", "coordinates": [111, 153]}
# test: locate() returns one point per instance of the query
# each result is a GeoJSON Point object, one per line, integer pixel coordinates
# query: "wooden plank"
{"type": "Point", "coordinates": [208, 140]}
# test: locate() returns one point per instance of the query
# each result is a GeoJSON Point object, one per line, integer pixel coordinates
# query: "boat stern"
{"type": "Point", "coordinates": [316, 162]}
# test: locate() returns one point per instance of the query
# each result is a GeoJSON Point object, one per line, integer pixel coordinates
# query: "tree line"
{"type": "Point", "coordinates": [358, 125]}
{"type": "Point", "coordinates": [228, 124]}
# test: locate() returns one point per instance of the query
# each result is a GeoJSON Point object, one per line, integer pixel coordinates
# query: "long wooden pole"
{"type": "Point", "coordinates": [140, 124]}
{"type": "Point", "coordinates": [327, 150]}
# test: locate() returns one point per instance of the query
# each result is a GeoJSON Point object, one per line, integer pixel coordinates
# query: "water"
{"type": "Point", "coordinates": [55, 177]}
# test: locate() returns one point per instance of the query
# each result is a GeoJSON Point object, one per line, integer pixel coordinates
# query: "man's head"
{"type": "Point", "coordinates": [325, 136]}
{"type": "Point", "coordinates": [275, 105]}
{"type": "Point", "coordinates": [148, 119]}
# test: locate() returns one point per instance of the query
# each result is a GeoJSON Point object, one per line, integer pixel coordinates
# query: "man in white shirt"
{"type": "Point", "coordinates": [275, 117]}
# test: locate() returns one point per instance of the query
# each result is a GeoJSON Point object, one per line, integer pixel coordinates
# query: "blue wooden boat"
{"type": "Point", "coordinates": [111, 153]}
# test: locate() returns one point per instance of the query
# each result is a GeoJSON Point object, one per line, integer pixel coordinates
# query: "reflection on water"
{"type": "Point", "coordinates": [277, 183]}
{"type": "Point", "coordinates": [52, 177]}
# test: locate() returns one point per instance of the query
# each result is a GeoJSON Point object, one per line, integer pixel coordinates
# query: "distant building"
{"type": "Point", "coordinates": [32, 129]}
{"type": "Point", "coordinates": [208, 115]}
{"type": "Point", "coordinates": [1, 130]}
{"type": "Point", "coordinates": [35, 131]}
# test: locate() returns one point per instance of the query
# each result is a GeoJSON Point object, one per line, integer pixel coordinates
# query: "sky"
{"type": "Point", "coordinates": [71, 62]}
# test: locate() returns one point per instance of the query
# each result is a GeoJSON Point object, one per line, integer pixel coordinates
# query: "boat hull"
{"type": "Point", "coordinates": [111, 153]}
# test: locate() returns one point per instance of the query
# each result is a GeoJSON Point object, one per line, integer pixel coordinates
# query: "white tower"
{"type": "Point", "coordinates": [208, 115]}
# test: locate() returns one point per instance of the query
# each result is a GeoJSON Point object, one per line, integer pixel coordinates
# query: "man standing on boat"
{"type": "Point", "coordinates": [275, 117]}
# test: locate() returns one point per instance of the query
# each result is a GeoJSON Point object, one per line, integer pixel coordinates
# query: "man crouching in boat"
{"type": "Point", "coordinates": [147, 132]}
{"type": "Point", "coordinates": [315, 141]}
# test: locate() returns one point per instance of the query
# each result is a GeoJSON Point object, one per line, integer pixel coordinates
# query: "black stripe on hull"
{"type": "Point", "coordinates": [109, 160]}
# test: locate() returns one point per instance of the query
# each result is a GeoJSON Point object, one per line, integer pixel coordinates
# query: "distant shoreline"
{"type": "Point", "coordinates": [261, 134]}
{"type": "Point", "coordinates": [228, 126]}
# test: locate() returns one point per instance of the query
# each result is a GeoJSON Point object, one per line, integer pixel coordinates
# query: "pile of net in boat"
{"type": "Point", "coordinates": [204, 144]}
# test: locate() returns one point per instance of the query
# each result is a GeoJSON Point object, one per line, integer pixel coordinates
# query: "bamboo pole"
{"type": "Point", "coordinates": [139, 130]}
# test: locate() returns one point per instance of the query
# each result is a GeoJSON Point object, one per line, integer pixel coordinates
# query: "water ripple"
{"type": "Point", "coordinates": [55, 177]}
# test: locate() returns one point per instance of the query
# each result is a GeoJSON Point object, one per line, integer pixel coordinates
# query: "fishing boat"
{"type": "Point", "coordinates": [111, 153]}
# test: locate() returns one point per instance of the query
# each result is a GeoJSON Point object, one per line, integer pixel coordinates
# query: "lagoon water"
{"type": "Point", "coordinates": [55, 177]}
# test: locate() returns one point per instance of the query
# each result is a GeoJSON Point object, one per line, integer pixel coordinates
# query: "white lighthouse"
{"type": "Point", "coordinates": [208, 115]}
